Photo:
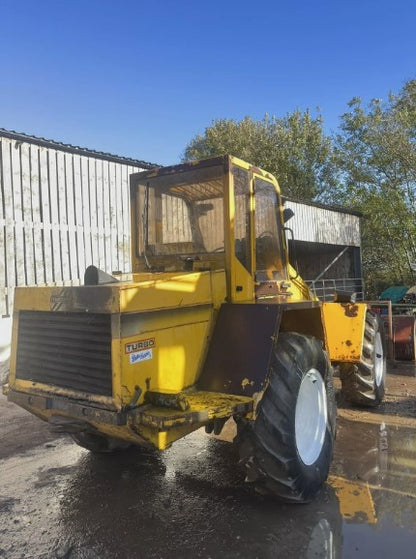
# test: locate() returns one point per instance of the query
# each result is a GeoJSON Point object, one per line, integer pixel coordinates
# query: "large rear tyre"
{"type": "Point", "coordinates": [99, 444]}
{"type": "Point", "coordinates": [364, 383]}
{"type": "Point", "coordinates": [287, 449]}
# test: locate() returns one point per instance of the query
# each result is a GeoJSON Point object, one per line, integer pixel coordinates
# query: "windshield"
{"type": "Point", "coordinates": [180, 215]}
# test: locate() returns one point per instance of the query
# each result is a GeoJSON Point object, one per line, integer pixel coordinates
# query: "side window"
{"type": "Point", "coordinates": [268, 231]}
{"type": "Point", "coordinates": [242, 216]}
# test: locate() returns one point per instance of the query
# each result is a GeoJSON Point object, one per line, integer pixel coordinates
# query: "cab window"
{"type": "Point", "coordinates": [268, 232]}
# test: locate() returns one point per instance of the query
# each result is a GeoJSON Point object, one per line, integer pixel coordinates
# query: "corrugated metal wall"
{"type": "Point", "coordinates": [59, 213]}
{"type": "Point", "coordinates": [323, 225]}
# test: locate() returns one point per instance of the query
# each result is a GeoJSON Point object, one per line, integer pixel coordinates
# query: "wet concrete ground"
{"type": "Point", "coordinates": [59, 501]}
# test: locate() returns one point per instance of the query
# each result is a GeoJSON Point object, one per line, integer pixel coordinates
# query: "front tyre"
{"type": "Point", "coordinates": [287, 449]}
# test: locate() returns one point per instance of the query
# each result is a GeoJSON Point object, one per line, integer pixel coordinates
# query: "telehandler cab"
{"type": "Point", "coordinates": [213, 323]}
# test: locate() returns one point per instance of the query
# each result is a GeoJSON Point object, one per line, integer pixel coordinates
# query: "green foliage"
{"type": "Point", "coordinates": [293, 148]}
{"type": "Point", "coordinates": [376, 153]}
{"type": "Point", "coordinates": [370, 166]}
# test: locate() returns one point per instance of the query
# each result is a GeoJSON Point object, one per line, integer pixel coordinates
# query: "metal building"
{"type": "Point", "coordinates": [62, 208]}
{"type": "Point", "coordinates": [325, 247]}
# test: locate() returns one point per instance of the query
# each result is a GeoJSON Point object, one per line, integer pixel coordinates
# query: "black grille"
{"type": "Point", "coordinates": [69, 350]}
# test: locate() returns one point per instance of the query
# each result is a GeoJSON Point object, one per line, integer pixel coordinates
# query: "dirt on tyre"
{"type": "Point", "coordinates": [99, 444]}
{"type": "Point", "coordinates": [287, 450]}
{"type": "Point", "coordinates": [364, 383]}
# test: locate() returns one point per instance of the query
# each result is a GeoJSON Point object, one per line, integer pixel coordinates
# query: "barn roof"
{"type": "Point", "coordinates": [69, 148]}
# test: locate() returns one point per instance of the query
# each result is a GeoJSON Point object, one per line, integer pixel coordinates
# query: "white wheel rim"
{"type": "Point", "coordinates": [311, 417]}
{"type": "Point", "coordinates": [378, 360]}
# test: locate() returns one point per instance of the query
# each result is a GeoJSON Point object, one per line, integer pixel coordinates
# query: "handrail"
{"type": "Point", "coordinates": [325, 289]}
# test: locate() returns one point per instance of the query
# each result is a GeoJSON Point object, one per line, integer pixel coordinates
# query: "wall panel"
{"type": "Point", "coordinates": [323, 225]}
{"type": "Point", "coordinates": [60, 211]}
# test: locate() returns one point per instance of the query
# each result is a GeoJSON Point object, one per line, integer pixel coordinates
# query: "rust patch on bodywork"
{"type": "Point", "coordinates": [172, 401]}
{"type": "Point", "coordinates": [350, 309]}
{"type": "Point", "coordinates": [246, 382]}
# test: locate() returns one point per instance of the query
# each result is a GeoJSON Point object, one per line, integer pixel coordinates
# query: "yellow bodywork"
{"type": "Point", "coordinates": [344, 329]}
{"type": "Point", "coordinates": [159, 426]}
{"type": "Point", "coordinates": [144, 292]}
{"type": "Point", "coordinates": [169, 317]}
{"type": "Point", "coordinates": [162, 321]}
{"type": "Point", "coordinates": [160, 325]}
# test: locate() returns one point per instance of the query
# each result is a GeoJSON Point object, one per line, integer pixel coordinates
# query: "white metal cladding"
{"type": "Point", "coordinates": [59, 213]}
{"type": "Point", "coordinates": [323, 225]}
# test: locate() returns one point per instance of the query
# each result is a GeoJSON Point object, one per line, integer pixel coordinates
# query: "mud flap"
{"type": "Point", "coordinates": [240, 349]}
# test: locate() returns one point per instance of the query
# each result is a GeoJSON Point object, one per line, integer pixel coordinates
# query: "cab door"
{"type": "Point", "coordinates": [270, 255]}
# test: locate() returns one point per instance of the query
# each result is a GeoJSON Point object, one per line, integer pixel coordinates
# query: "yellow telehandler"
{"type": "Point", "coordinates": [212, 323]}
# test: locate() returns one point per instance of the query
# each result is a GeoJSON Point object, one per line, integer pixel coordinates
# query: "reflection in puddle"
{"type": "Point", "coordinates": [373, 476]}
{"type": "Point", "coordinates": [355, 500]}
{"type": "Point", "coordinates": [323, 542]}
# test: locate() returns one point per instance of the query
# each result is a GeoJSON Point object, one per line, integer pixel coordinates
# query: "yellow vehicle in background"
{"type": "Point", "coordinates": [212, 323]}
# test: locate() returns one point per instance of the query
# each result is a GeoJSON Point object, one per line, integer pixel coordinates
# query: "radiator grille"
{"type": "Point", "coordinates": [69, 350]}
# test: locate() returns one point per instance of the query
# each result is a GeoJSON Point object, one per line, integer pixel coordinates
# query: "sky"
{"type": "Point", "coordinates": [141, 79]}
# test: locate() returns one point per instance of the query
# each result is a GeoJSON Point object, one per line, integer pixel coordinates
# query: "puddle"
{"type": "Point", "coordinates": [373, 475]}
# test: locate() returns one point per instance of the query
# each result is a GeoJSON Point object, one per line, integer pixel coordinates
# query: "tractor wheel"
{"type": "Point", "coordinates": [287, 449]}
{"type": "Point", "coordinates": [99, 444]}
{"type": "Point", "coordinates": [364, 383]}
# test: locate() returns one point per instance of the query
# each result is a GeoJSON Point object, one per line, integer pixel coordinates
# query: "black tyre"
{"type": "Point", "coordinates": [287, 449]}
{"type": "Point", "coordinates": [364, 383]}
{"type": "Point", "coordinates": [99, 444]}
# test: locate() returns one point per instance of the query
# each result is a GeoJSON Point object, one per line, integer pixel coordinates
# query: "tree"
{"type": "Point", "coordinates": [293, 148]}
{"type": "Point", "coordinates": [376, 153]}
